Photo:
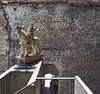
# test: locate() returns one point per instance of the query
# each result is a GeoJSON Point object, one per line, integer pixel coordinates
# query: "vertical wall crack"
{"type": "Point", "coordinates": [8, 29]}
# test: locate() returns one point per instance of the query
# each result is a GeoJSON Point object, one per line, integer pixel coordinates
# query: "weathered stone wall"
{"type": "Point", "coordinates": [4, 41]}
{"type": "Point", "coordinates": [75, 1]}
{"type": "Point", "coordinates": [69, 38]}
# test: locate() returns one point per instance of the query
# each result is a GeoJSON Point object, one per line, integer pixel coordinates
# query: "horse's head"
{"type": "Point", "coordinates": [18, 29]}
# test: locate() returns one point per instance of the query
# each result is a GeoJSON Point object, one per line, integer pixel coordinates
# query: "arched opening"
{"type": "Point", "coordinates": [50, 68]}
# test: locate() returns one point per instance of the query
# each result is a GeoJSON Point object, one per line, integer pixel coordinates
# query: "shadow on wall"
{"type": "Point", "coordinates": [50, 86]}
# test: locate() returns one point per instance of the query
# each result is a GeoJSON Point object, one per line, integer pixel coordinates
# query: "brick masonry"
{"type": "Point", "coordinates": [69, 37]}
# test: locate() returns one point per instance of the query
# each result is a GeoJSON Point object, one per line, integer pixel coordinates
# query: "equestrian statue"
{"type": "Point", "coordinates": [29, 45]}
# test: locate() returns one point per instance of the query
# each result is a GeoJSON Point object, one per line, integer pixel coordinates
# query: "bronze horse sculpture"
{"type": "Point", "coordinates": [29, 45]}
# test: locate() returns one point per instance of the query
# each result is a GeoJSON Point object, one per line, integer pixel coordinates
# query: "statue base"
{"type": "Point", "coordinates": [29, 59]}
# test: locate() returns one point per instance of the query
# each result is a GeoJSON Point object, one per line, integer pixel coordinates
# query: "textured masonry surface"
{"type": "Point", "coordinates": [69, 37]}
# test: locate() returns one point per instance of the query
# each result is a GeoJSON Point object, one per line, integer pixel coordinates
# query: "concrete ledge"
{"type": "Point", "coordinates": [6, 72]}
{"type": "Point", "coordinates": [80, 87]}
{"type": "Point", "coordinates": [15, 79]}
